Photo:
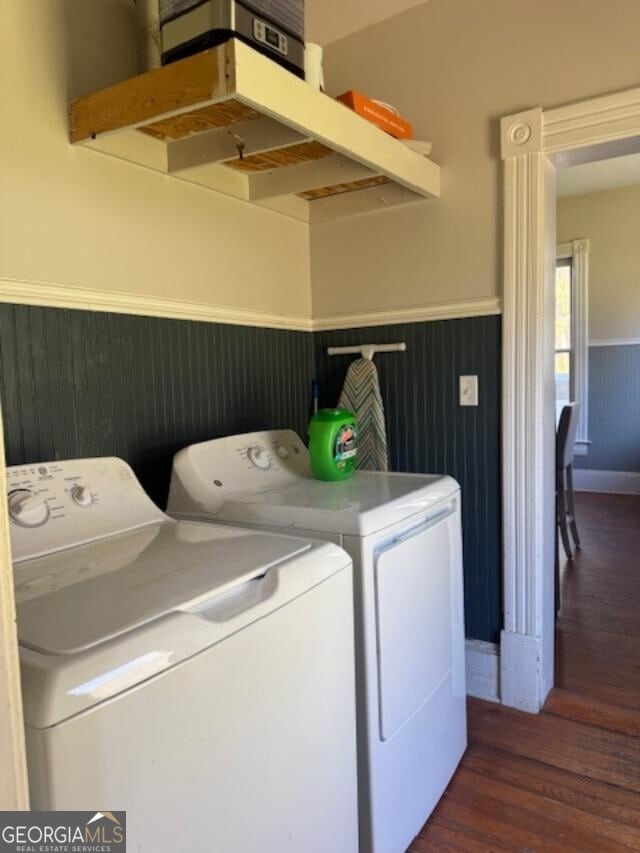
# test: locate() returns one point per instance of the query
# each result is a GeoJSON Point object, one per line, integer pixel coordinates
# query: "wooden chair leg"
{"type": "Point", "coordinates": [562, 516]}
{"type": "Point", "coordinates": [556, 567]}
{"type": "Point", "coordinates": [572, 507]}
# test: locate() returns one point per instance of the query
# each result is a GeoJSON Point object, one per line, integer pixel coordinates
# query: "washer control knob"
{"type": "Point", "coordinates": [259, 457]}
{"type": "Point", "coordinates": [27, 509]}
{"type": "Point", "coordinates": [81, 495]}
{"type": "Point", "coordinates": [282, 452]}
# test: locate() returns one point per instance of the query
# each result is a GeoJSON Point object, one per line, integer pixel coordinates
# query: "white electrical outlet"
{"type": "Point", "coordinates": [468, 390]}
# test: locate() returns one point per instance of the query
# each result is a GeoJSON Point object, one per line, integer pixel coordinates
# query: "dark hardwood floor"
{"type": "Point", "coordinates": [567, 779]}
{"type": "Point", "coordinates": [598, 630]}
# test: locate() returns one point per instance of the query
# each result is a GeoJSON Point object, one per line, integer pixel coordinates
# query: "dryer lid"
{"type": "Point", "coordinates": [74, 600]}
{"type": "Point", "coordinates": [366, 503]}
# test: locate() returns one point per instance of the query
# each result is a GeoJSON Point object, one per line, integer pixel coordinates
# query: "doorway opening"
{"type": "Point", "coordinates": [597, 386]}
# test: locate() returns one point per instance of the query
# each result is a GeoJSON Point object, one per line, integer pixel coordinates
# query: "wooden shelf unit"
{"type": "Point", "coordinates": [234, 121]}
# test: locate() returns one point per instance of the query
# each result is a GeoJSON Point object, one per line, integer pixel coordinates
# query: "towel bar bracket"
{"type": "Point", "coordinates": [367, 350]}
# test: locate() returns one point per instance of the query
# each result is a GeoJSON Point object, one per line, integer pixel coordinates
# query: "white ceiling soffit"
{"type": "Point", "coordinates": [330, 20]}
{"type": "Point", "coordinates": [599, 176]}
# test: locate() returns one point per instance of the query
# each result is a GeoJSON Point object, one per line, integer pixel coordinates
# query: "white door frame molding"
{"type": "Point", "coordinates": [534, 143]}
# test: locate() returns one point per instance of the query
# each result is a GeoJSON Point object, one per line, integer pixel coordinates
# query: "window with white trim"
{"type": "Point", "coordinates": [572, 334]}
{"type": "Point", "coordinates": [565, 355]}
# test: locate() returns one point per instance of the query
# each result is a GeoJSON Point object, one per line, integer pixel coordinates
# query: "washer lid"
{"type": "Point", "coordinates": [76, 599]}
{"type": "Point", "coordinates": [366, 503]}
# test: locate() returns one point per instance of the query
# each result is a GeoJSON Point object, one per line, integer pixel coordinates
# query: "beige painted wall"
{"type": "Point", "coordinates": [611, 220]}
{"type": "Point", "coordinates": [70, 216]}
{"type": "Point", "coordinates": [329, 20]}
{"type": "Point", "coordinates": [454, 67]}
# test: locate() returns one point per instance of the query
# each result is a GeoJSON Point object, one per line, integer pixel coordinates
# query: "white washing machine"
{"type": "Point", "coordinates": [200, 678]}
{"type": "Point", "coordinates": [403, 533]}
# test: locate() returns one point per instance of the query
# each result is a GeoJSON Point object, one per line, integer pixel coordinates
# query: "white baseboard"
{"type": "Point", "coordinates": [607, 482]}
{"type": "Point", "coordinates": [483, 670]}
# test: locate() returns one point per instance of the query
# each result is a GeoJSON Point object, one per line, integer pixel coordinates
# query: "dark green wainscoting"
{"type": "Point", "coordinates": [83, 383]}
{"type": "Point", "coordinates": [429, 432]}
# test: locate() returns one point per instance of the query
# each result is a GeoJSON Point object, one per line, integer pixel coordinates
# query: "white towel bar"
{"type": "Point", "coordinates": [367, 350]}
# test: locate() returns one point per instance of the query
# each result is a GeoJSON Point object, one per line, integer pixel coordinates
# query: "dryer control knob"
{"type": "Point", "coordinates": [259, 457]}
{"type": "Point", "coordinates": [282, 452]}
{"type": "Point", "coordinates": [81, 495]}
{"type": "Point", "coordinates": [27, 509]}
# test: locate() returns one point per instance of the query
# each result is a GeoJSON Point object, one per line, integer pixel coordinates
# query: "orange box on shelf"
{"type": "Point", "coordinates": [377, 114]}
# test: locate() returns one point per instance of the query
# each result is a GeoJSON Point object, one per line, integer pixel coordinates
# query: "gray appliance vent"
{"type": "Point", "coordinates": [171, 8]}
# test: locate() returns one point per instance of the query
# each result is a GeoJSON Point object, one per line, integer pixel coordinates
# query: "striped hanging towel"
{"type": "Point", "coordinates": [361, 395]}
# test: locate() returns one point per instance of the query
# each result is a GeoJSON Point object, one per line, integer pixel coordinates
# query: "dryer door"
{"type": "Point", "coordinates": [415, 618]}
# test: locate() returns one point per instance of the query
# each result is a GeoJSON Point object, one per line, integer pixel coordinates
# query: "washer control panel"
{"type": "Point", "coordinates": [27, 508]}
{"type": "Point", "coordinates": [259, 457]}
{"type": "Point", "coordinates": [257, 460]}
{"type": "Point", "coordinates": [205, 475]}
{"type": "Point", "coordinates": [55, 505]}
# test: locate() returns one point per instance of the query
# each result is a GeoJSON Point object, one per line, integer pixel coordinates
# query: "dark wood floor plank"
{"type": "Point", "coordinates": [572, 706]}
{"type": "Point", "coordinates": [558, 819]}
{"type": "Point", "coordinates": [551, 828]}
{"type": "Point", "coordinates": [612, 769]}
{"type": "Point", "coordinates": [610, 801]}
{"type": "Point", "coordinates": [567, 779]}
{"type": "Point", "coordinates": [552, 732]}
{"type": "Point", "coordinates": [602, 646]}
{"type": "Point", "coordinates": [440, 836]}
{"type": "Point", "coordinates": [509, 822]}
{"type": "Point", "coordinates": [626, 623]}
{"type": "Point", "coordinates": [541, 782]}
{"type": "Point", "coordinates": [626, 697]}
{"type": "Point", "coordinates": [598, 630]}
{"type": "Point", "coordinates": [622, 679]}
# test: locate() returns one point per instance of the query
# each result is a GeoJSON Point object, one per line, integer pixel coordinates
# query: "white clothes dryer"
{"type": "Point", "coordinates": [403, 533]}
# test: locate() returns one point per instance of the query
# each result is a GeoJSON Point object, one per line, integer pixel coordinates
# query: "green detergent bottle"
{"type": "Point", "coordinates": [333, 444]}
